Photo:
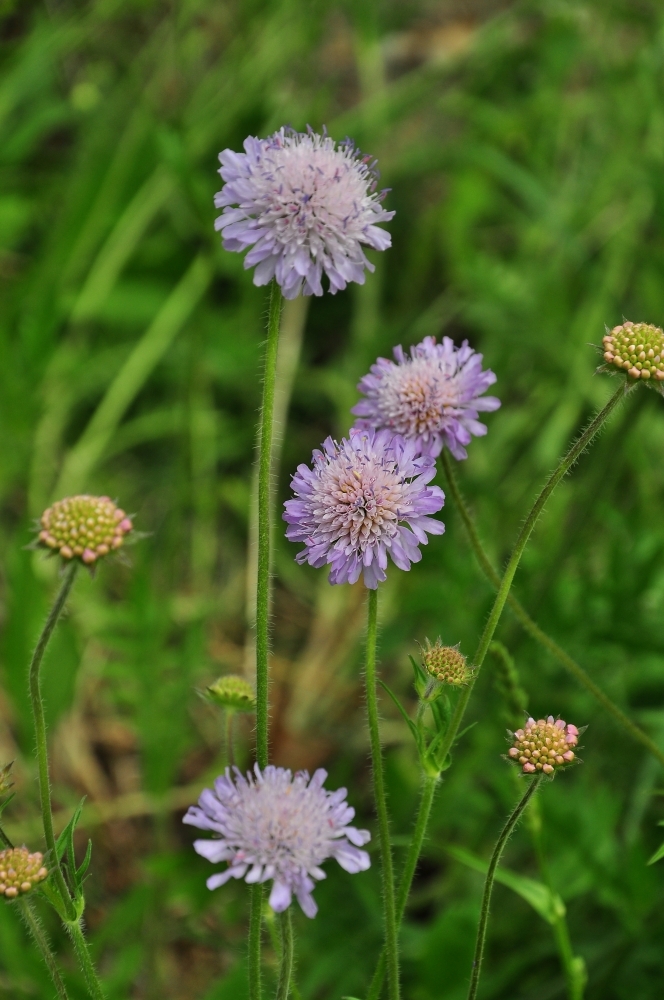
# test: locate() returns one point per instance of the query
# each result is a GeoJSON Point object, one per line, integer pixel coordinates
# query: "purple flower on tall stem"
{"type": "Point", "coordinates": [432, 396]}
{"type": "Point", "coordinates": [365, 498]}
{"type": "Point", "coordinates": [305, 205]}
{"type": "Point", "coordinates": [277, 827]}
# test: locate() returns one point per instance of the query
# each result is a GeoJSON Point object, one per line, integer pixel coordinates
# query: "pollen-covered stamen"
{"type": "Point", "coordinates": [544, 745]}
{"type": "Point", "coordinates": [636, 348]}
{"type": "Point", "coordinates": [84, 527]}
{"type": "Point", "coordinates": [20, 871]}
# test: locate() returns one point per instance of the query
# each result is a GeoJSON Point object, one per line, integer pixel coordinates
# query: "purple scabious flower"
{"type": "Point", "coordinates": [364, 499]}
{"type": "Point", "coordinates": [276, 826]}
{"type": "Point", "coordinates": [431, 397]}
{"type": "Point", "coordinates": [305, 205]}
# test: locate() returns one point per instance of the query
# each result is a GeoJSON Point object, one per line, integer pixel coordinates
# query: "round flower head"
{"type": "Point", "coordinates": [637, 348]}
{"type": "Point", "coordinates": [233, 693]}
{"type": "Point", "coordinates": [19, 871]}
{"type": "Point", "coordinates": [431, 396]}
{"type": "Point", "coordinates": [83, 527]}
{"type": "Point", "coordinates": [304, 204]}
{"type": "Point", "coordinates": [364, 499]}
{"type": "Point", "coordinates": [446, 664]}
{"type": "Point", "coordinates": [544, 745]}
{"type": "Point", "coordinates": [277, 827]}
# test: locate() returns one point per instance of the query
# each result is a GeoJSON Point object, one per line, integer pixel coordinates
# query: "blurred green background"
{"type": "Point", "coordinates": [524, 148]}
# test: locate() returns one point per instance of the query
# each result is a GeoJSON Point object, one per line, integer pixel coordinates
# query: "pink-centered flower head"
{"type": "Point", "coordinates": [545, 745]}
{"type": "Point", "coordinates": [273, 826]}
{"type": "Point", "coordinates": [365, 498]}
{"type": "Point", "coordinates": [305, 205]}
{"type": "Point", "coordinates": [432, 396]}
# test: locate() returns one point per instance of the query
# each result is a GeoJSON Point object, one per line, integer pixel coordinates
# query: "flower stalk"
{"type": "Point", "coordinates": [286, 960]}
{"type": "Point", "coordinates": [38, 935]}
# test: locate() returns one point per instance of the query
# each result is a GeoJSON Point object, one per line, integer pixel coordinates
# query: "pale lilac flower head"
{"type": "Point", "coordinates": [365, 498]}
{"type": "Point", "coordinates": [431, 396]}
{"type": "Point", "coordinates": [304, 204]}
{"type": "Point", "coordinates": [273, 826]}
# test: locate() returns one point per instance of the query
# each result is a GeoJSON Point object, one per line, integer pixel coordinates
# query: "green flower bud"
{"type": "Point", "coordinates": [19, 871]}
{"type": "Point", "coordinates": [83, 527]}
{"type": "Point", "coordinates": [233, 693]}
{"type": "Point", "coordinates": [446, 664]}
{"type": "Point", "coordinates": [636, 348]}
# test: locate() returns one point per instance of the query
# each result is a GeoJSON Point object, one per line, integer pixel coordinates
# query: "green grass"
{"type": "Point", "coordinates": [527, 171]}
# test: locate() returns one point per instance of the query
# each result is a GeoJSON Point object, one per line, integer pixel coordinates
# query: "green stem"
{"type": "Point", "coordinates": [229, 756]}
{"type": "Point", "coordinates": [530, 626]}
{"type": "Point", "coordinates": [40, 736]}
{"type": "Point", "coordinates": [408, 873]}
{"type": "Point", "coordinates": [84, 959]}
{"type": "Point", "coordinates": [488, 885]}
{"type": "Point", "coordinates": [38, 935]}
{"type": "Point", "coordinates": [286, 962]}
{"type": "Point", "coordinates": [559, 472]}
{"type": "Point", "coordinates": [264, 515]}
{"type": "Point", "coordinates": [255, 921]}
{"type": "Point", "coordinates": [389, 907]}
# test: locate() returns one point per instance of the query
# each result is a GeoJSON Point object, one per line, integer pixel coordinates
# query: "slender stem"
{"type": "Point", "coordinates": [85, 960]}
{"type": "Point", "coordinates": [414, 850]}
{"type": "Point", "coordinates": [389, 908]}
{"type": "Point", "coordinates": [575, 669]}
{"type": "Point", "coordinates": [40, 735]}
{"type": "Point", "coordinates": [264, 515]}
{"type": "Point", "coordinates": [559, 472]}
{"type": "Point", "coordinates": [38, 935]}
{"type": "Point", "coordinates": [488, 885]}
{"type": "Point", "coordinates": [286, 962]}
{"type": "Point", "coordinates": [229, 756]}
{"type": "Point", "coordinates": [255, 921]}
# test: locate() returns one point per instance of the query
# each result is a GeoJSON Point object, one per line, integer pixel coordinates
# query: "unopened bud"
{"type": "Point", "coordinates": [446, 664]}
{"type": "Point", "coordinates": [20, 871]}
{"type": "Point", "coordinates": [544, 745]}
{"type": "Point", "coordinates": [636, 348]}
{"type": "Point", "coordinates": [233, 693]}
{"type": "Point", "coordinates": [84, 527]}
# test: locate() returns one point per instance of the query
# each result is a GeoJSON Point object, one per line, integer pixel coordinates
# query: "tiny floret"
{"type": "Point", "coordinates": [432, 396]}
{"type": "Point", "coordinates": [545, 745]}
{"type": "Point", "coordinates": [273, 826]}
{"type": "Point", "coordinates": [636, 348]}
{"type": "Point", "coordinates": [365, 498]}
{"type": "Point", "coordinates": [83, 527]}
{"type": "Point", "coordinates": [233, 693]}
{"type": "Point", "coordinates": [20, 871]}
{"type": "Point", "coordinates": [305, 205]}
{"type": "Point", "coordinates": [446, 664]}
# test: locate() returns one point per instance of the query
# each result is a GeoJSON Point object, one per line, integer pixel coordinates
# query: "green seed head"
{"type": "Point", "coordinates": [636, 348]}
{"type": "Point", "coordinates": [446, 664]}
{"type": "Point", "coordinates": [84, 527]}
{"type": "Point", "coordinates": [233, 693]}
{"type": "Point", "coordinates": [19, 871]}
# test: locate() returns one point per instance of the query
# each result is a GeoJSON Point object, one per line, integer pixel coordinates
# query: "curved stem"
{"type": "Point", "coordinates": [85, 960]}
{"type": "Point", "coordinates": [408, 873]}
{"type": "Point", "coordinates": [38, 935]}
{"type": "Point", "coordinates": [559, 472]}
{"type": "Point", "coordinates": [572, 667]}
{"type": "Point", "coordinates": [255, 922]}
{"type": "Point", "coordinates": [264, 516]}
{"type": "Point", "coordinates": [389, 908]}
{"type": "Point", "coordinates": [488, 885]}
{"type": "Point", "coordinates": [40, 734]}
{"type": "Point", "coordinates": [286, 962]}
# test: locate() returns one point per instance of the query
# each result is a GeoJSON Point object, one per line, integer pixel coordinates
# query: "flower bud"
{"type": "Point", "coordinates": [446, 664]}
{"type": "Point", "coordinates": [19, 871]}
{"type": "Point", "coordinates": [636, 348]}
{"type": "Point", "coordinates": [545, 745]}
{"type": "Point", "coordinates": [233, 693]}
{"type": "Point", "coordinates": [83, 527]}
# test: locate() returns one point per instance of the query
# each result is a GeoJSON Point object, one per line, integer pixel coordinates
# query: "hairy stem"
{"type": "Point", "coordinates": [255, 922]}
{"type": "Point", "coordinates": [559, 472]}
{"type": "Point", "coordinates": [488, 885]}
{"type": "Point", "coordinates": [389, 907]}
{"type": "Point", "coordinates": [533, 628]}
{"type": "Point", "coordinates": [40, 735]}
{"type": "Point", "coordinates": [286, 960]}
{"type": "Point", "coordinates": [85, 959]}
{"type": "Point", "coordinates": [38, 935]}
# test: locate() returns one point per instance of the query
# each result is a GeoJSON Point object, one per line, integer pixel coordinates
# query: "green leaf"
{"type": "Point", "coordinates": [85, 864]}
{"type": "Point", "coordinates": [658, 855]}
{"type": "Point", "coordinates": [411, 724]}
{"type": "Point", "coordinates": [67, 836]}
{"type": "Point", "coordinates": [548, 904]}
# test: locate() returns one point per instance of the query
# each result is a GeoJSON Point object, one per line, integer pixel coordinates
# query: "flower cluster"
{"type": "Point", "coordinates": [276, 826]}
{"type": "Point", "coordinates": [446, 664]}
{"type": "Point", "coordinates": [233, 693]}
{"type": "Point", "coordinates": [432, 396]}
{"type": "Point", "coordinates": [20, 871]}
{"type": "Point", "coordinates": [365, 498]}
{"type": "Point", "coordinates": [544, 745]}
{"type": "Point", "coordinates": [84, 527]}
{"type": "Point", "coordinates": [637, 348]}
{"type": "Point", "coordinates": [305, 205]}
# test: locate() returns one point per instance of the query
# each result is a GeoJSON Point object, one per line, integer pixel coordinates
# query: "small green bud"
{"type": "Point", "coordinates": [636, 348]}
{"type": "Point", "coordinates": [446, 664]}
{"type": "Point", "coordinates": [233, 693]}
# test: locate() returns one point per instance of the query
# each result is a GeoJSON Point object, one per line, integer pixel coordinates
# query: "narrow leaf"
{"type": "Point", "coordinates": [411, 724]}
{"type": "Point", "coordinates": [63, 840]}
{"type": "Point", "coordinates": [659, 853]}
